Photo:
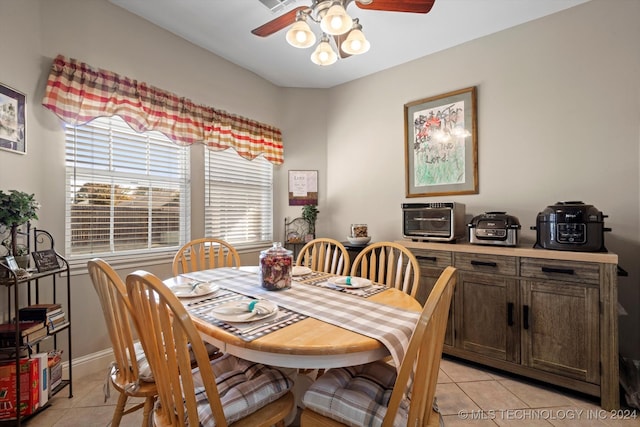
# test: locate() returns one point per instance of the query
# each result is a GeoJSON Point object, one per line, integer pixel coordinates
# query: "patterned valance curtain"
{"type": "Point", "coordinates": [78, 93]}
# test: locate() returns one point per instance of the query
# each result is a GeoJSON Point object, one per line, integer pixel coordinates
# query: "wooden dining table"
{"type": "Point", "coordinates": [309, 343]}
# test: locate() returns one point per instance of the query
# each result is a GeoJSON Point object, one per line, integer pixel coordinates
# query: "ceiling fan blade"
{"type": "Point", "coordinates": [412, 6]}
{"type": "Point", "coordinates": [278, 23]}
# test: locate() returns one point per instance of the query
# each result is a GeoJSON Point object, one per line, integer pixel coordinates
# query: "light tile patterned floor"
{"type": "Point", "coordinates": [467, 396]}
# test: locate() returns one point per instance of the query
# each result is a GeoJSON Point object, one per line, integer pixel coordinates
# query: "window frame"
{"type": "Point", "coordinates": [233, 162]}
{"type": "Point", "coordinates": [75, 166]}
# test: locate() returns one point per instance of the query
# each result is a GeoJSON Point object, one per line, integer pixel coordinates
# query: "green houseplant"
{"type": "Point", "coordinates": [310, 214]}
{"type": "Point", "coordinates": [16, 209]}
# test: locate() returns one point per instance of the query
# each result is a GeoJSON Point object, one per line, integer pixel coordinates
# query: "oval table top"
{"type": "Point", "coordinates": [309, 343]}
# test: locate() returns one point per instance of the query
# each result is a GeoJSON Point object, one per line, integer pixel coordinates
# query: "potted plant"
{"type": "Point", "coordinates": [310, 214]}
{"type": "Point", "coordinates": [16, 208]}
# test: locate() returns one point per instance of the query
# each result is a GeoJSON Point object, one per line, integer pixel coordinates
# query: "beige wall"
{"type": "Point", "coordinates": [558, 119]}
{"type": "Point", "coordinates": [558, 110]}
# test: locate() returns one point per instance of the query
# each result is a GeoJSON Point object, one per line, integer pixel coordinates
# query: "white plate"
{"type": "Point", "coordinates": [269, 307]}
{"type": "Point", "coordinates": [298, 270]}
{"type": "Point", "coordinates": [188, 291]}
{"type": "Point", "coordinates": [356, 282]}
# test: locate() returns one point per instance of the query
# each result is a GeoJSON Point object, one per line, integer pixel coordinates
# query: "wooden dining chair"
{"type": "Point", "coordinates": [129, 374]}
{"type": "Point", "coordinates": [326, 255]}
{"type": "Point", "coordinates": [389, 264]}
{"type": "Point", "coordinates": [220, 392]}
{"type": "Point", "coordinates": [375, 394]}
{"type": "Point", "coordinates": [204, 254]}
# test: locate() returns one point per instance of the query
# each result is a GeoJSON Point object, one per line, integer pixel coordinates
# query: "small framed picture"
{"type": "Point", "coordinates": [10, 262]}
{"type": "Point", "coordinates": [303, 188]}
{"type": "Point", "coordinates": [12, 120]}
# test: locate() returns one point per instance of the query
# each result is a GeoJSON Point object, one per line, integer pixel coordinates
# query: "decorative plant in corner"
{"type": "Point", "coordinates": [310, 214]}
{"type": "Point", "coordinates": [16, 209]}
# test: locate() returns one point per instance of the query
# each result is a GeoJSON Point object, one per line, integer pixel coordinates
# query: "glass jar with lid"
{"type": "Point", "coordinates": [359, 230]}
{"type": "Point", "coordinates": [275, 267]}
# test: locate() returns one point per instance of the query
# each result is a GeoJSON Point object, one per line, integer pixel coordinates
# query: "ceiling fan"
{"type": "Point", "coordinates": [336, 23]}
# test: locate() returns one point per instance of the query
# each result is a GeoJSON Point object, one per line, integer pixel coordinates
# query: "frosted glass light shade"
{"type": "Point", "coordinates": [355, 43]}
{"type": "Point", "coordinates": [324, 54]}
{"type": "Point", "coordinates": [336, 21]}
{"type": "Point", "coordinates": [300, 35]}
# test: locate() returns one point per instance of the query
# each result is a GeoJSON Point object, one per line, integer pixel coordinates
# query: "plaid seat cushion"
{"type": "Point", "coordinates": [244, 388]}
{"type": "Point", "coordinates": [144, 370]}
{"type": "Point", "coordinates": [356, 395]}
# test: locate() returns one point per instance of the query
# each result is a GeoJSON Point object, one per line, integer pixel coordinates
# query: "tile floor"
{"type": "Point", "coordinates": [467, 395]}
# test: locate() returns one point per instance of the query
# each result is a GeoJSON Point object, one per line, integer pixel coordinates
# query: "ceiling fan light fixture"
{"type": "Point", "coordinates": [336, 20]}
{"type": "Point", "coordinates": [300, 34]}
{"type": "Point", "coordinates": [324, 54]}
{"type": "Point", "coordinates": [355, 43]}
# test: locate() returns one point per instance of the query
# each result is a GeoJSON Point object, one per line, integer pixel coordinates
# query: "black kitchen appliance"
{"type": "Point", "coordinates": [571, 226]}
{"type": "Point", "coordinates": [433, 221]}
{"type": "Point", "coordinates": [494, 228]}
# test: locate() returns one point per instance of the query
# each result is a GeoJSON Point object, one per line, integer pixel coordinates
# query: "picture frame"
{"type": "Point", "coordinates": [441, 145]}
{"type": "Point", "coordinates": [12, 120]}
{"type": "Point", "coordinates": [303, 187]}
{"type": "Point", "coordinates": [10, 262]}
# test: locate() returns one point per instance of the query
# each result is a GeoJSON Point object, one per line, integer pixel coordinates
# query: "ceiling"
{"type": "Point", "coordinates": [224, 28]}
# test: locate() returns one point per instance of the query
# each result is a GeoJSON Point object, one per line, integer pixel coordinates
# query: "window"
{"type": "Point", "coordinates": [127, 192]}
{"type": "Point", "coordinates": [238, 198]}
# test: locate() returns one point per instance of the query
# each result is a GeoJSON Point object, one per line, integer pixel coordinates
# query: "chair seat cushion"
{"type": "Point", "coordinates": [144, 370]}
{"type": "Point", "coordinates": [356, 395]}
{"type": "Point", "coordinates": [244, 387]}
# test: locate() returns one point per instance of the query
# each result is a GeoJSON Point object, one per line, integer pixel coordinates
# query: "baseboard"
{"type": "Point", "coordinates": [89, 364]}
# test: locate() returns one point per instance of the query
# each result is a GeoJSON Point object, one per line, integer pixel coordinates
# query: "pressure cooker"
{"type": "Point", "coordinates": [571, 226]}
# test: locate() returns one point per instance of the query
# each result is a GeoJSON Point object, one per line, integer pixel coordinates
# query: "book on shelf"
{"type": "Point", "coordinates": [25, 328]}
{"type": "Point", "coordinates": [39, 311]}
{"type": "Point", "coordinates": [29, 333]}
{"type": "Point", "coordinates": [53, 328]}
{"type": "Point", "coordinates": [43, 380]}
{"type": "Point", "coordinates": [56, 318]}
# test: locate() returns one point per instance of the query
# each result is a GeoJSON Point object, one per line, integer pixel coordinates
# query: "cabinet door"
{"type": "Point", "coordinates": [560, 332]}
{"type": "Point", "coordinates": [432, 263]}
{"type": "Point", "coordinates": [487, 319]}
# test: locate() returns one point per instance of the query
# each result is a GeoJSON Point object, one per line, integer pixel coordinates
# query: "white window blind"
{"type": "Point", "coordinates": [127, 192]}
{"type": "Point", "coordinates": [238, 198]}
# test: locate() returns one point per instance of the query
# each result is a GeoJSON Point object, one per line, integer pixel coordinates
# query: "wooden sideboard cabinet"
{"type": "Point", "coordinates": [547, 315]}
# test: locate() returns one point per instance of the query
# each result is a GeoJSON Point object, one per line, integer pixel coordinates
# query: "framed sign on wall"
{"type": "Point", "coordinates": [303, 188]}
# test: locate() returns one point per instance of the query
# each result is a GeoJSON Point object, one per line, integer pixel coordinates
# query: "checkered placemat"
{"type": "Point", "coordinates": [248, 331]}
{"type": "Point", "coordinates": [320, 279]}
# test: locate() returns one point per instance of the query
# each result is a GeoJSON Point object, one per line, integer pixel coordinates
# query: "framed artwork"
{"type": "Point", "coordinates": [12, 120]}
{"type": "Point", "coordinates": [303, 188]}
{"type": "Point", "coordinates": [441, 145]}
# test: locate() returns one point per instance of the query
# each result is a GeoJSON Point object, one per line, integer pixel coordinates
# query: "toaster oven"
{"type": "Point", "coordinates": [439, 221]}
